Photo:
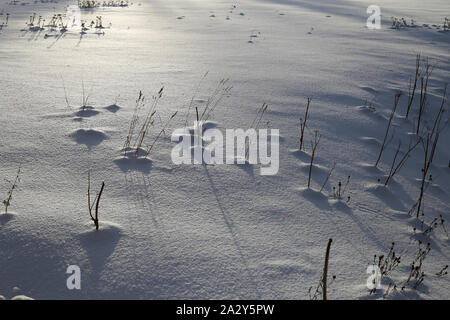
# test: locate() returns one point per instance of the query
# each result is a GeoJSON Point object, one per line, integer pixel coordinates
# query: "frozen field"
{"type": "Point", "coordinates": [172, 231]}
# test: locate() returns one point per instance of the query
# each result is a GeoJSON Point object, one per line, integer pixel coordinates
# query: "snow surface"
{"type": "Point", "coordinates": [215, 232]}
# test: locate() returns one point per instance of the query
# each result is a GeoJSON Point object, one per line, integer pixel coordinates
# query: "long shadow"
{"type": "Point", "coordinates": [429, 238]}
{"type": "Point", "coordinates": [140, 181]}
{"type": "Point", "coordinates": [386, 196]}
{"type": "Point", "coordinates": [303, 156]}
{"type": "Point", "coordinates": [99, 245]}
{"type": "Point", "coordinates": [340, 205]}
{"type": "Point", "coordinates": [438, 192]}
{"type": "Point", "coordinates": [81, 38]}
{"type": "Point", "coordinates": [33, 262]}
{"type": "Point", "coordinates": [35, 35]}
{"type": "Point", "coordinates": [130, 163]}
{"type": "Point", "coordinates": [397, 189]}
{"type": "Point", "coordinates": [61, 35]}
{"type": "Point", "coordinates": [5, 218]}
{"type": "Point", "coordinates": [316, 198]}
{"type": "Point", "coordinates": [233, 234]}
{"type": "Point", "coordinates": [248, 168]}
{"type": "Point", "coordinates": [318, 172]}
{"type": "Point", "coordinates": [89, 137]}
{"type": "Point", "coordinates": [24, 33]}
{"type": "Point", "coordinates": [113, 108]}
{"type": "Point", "coordinates": [365, 228]}
{"type": "Point", "coordinates": [86, 112]}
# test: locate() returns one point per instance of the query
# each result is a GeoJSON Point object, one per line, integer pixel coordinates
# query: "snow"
{"type": "Point", "coordinates": [21, 297]}
{"type": "Point", "coordinates": [219, 231]}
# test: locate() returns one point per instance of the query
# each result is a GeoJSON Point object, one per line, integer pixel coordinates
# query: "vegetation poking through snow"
{"type": "Point", "coordinates": [259, 115]}
{"type": "Point", "coordinates": [383, 145]}
{"type": "Point", "coordinates": [431, 227]}
{"type": "Point", "coordinates": [303, 122]}
{"type": "Point", "coordinates": [378, 212]}
{"type": "Point", "coordinates": [148, 121]}
{"type": "Point", "coordinates": [428, 228]}
{"type": "Point", "coordinates": [416, 272]}
{"type": "Point", "coordinates": [413, 85]}
{"type": "Point", "coordinates": [392, 261]}
{"type": "Point", "coordinates": [424, 79]}
{"type": "Point", "coordinates": [66, 98]}
{"type": "Point", "coordinates": [60, 23]}
{"type": "Point", "coordinates": [85, 97]}
{"type": "Point", "coordinates": [398, 23]}
{"type": "Point", "coordinates": [446, 24]}
{"type": "Point", "coordinates": [442, 224]}
{"type": "Point", "coordinates": [396, 166]}
{"type": "Point", "coordinates": [386, 264]}
{"type": "Point", "coordinates": [429, 144]}
{"type": "Point", "coordinates": [221, 91]}
{"type": "Point", "coordinates": [442, 272]}
{"type": "Point", "coordinates": [413, 276]}
{"type": "Point", "coordinates": [94, 203]}
{"type": "Point", "coordinates": [191, 104]}
{"type": "Point", "coordinates": [135, 140]}
{"type": "Point", "coordinates": [340, 192]}
{"type": "Point", "coordinates": [4, 23]}
{"type": "Point", "coordinates": [140, 103]}
{"type": "Point", "coordinates": [91, 4]}
{"type": "Point", "coordinates": [163, 130]}
{"type": "Point", "coordinates": [255, 125]}
{"type": "Point", "coordinates": [322, 287]}
{"type": "Point", "coordinates": [330, 172]}
{"type": "Point", "coordinates": [314, 145]}
{"type": "Point", "coordinates": [13, 185]}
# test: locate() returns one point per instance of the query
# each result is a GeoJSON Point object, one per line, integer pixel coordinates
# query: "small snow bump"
{"type": "Point", "coordinates": [21, 297]}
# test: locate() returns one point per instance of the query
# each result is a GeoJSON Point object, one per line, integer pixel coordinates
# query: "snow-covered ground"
{"type": "Point", "coordinates": [218, 231]}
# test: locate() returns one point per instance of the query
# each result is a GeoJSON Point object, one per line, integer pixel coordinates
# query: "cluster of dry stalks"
{"type": "Point", "coordinates": [91, 4]}
{"type": "Point", "coordinates": [425, 135]}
